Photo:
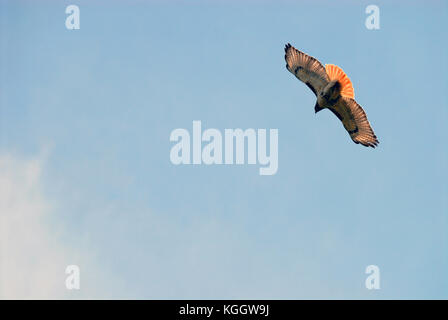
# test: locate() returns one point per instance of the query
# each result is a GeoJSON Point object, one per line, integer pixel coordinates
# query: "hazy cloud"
{"type": "Point", "coordinates": [33, 256]}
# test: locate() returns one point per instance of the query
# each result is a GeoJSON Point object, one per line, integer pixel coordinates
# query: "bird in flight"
{"type": "Point", "coordinates": [334, 91]}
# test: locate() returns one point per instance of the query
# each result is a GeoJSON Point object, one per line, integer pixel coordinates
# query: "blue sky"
{"type": "Point", "coordinates": [92, 110]}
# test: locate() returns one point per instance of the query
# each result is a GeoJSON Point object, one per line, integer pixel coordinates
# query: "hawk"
{"type": "Point", "coordinates": [334, 91]}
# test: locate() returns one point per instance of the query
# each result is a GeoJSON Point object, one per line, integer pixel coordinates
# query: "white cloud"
{"type": "Point", "coordinates": [33, 256]}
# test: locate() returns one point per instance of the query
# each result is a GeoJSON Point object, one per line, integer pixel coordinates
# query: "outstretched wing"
{"type": "Point", "coordinates": [355, 121]}
{"type": "Point", "coordinates": [306, 68]}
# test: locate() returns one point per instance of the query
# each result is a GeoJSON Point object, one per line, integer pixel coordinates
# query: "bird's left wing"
{"type": "Point", "coordinates": [306, 68]}
{"type": "Point", "coordinates": [355, 121]}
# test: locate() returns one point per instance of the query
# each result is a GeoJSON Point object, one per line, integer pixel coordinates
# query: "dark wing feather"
{"type": "Point", "coordinates": [306, 68]}
{"type": "Point", "coordinates": [355, 121]}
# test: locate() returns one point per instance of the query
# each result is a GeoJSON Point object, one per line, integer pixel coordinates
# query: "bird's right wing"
{"type": "Point", "coordinates": [306, 68]}
{"type": "Point", "coordinates": [354, 119]}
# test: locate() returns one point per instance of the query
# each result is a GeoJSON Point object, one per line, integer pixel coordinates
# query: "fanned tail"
{"type": "Point", "coordinates": [336, 73]}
